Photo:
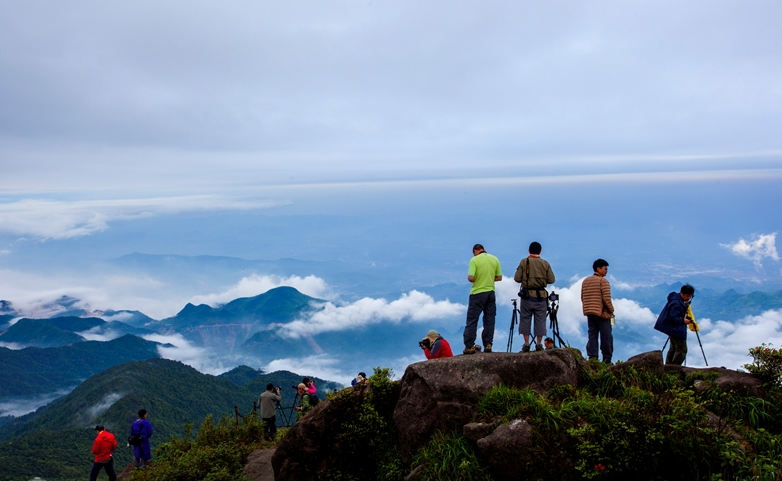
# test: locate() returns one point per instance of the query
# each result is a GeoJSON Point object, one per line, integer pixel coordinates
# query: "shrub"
{"type": "Point", "coordinates": [766, 365]}
{"type": "Point", "coordinates": [449, 457]}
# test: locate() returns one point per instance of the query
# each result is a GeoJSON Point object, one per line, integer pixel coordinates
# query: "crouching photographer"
{"type": "Point", "coordinates": [435, 346]}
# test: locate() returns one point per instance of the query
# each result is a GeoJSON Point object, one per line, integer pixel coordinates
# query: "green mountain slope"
{"type": "Point", "coordinates": [54, 442]}
{"type": "Point", "coordinates": [33, 371]}
{"type": "Point", "coordinates": [39, 333]}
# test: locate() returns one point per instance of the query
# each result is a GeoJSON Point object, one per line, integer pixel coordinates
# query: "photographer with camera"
{"type": "Point", "coordinates": [435, 346]}
{"type": "Point", "coordinates": [534, 274]}
{"type": "Point", "coordinates": [268, 401]}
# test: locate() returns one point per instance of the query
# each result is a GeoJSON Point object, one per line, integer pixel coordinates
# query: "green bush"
{"type": "Point", "coordinates": [365, 432]}
{"type": "Point", "coordinates": [630, 424]}
{"type": "Point", "coordinates": [766, 365]}
{"type": "Point", "coordinates": [449, 457]}
{"type": "Point", "coordinates": [218, 452]}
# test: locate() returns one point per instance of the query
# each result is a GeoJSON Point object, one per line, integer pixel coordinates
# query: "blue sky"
{"type": "Point", "coordinates": [394, 134]}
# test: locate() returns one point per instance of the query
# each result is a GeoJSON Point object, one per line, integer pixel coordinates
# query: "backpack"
{"type": "Point", "coordinates": [314, 400]}
{"type": "Point", "coordinates": [134, 439]}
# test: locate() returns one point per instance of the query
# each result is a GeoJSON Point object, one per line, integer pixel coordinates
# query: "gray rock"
{"type": "Point", "coordinates": [259, 465]}
{"type": "Point", "coordinates": [506, 450]}
{"type": "Point", "coordinates": [415, 475]}
{"type": "Point", "coordinates": [742, 383]}
{"type": "Point", "coordinates": [476, 431]}
{"type": "Point", "coordinates": [442, 394]}
{"type": "Point", "coordinates": [648, 361]}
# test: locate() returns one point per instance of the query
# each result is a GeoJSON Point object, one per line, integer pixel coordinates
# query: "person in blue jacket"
{"type": "Point", "coordinates": [143, 428]}
{"type": "Point", "coordinates": [673, 322]}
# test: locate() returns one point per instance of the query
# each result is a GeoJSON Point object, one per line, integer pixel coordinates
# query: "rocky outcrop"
{"type": "Point", "coordinates": [259, 465]}
{"type": "Point", "coordinates": [442, 394]}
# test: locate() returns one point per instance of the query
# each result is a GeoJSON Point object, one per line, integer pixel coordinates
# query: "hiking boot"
{"type": "Point", "coordinates": [525, 348]}
{"type": "Point", "coordinates": [469, 350]}
{"type": "Point", "coordinates": [538, 347]}
{"type": "Point", "coordinates": [487, 348]}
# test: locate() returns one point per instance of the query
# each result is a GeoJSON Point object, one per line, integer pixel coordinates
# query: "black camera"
{"type": "Point", "coordinates": [553, 297]}
{"type": "Point", "coordinates": [425, 343]}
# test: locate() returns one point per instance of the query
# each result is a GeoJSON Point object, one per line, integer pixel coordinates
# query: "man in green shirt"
{"type": "Point", "coordinates": [483, 272]}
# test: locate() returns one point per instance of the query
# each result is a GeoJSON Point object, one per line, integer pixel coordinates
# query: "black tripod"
{"type": "Point", "coordinates": [513, 321]}
{"type": "Point", "coordinates": [553, 308]}
{"type": "Point", "coordinates": [287, 413]}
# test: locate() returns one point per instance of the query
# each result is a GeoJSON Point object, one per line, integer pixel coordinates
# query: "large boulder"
{"type": "Point", "coordinates": [442, 394]}
{"type": "Point", "coordinates": [648, 361]}
{"type": "Point", "coordinates": [728, 380]}
{"type": "Point", "coordinates": [507, 450]}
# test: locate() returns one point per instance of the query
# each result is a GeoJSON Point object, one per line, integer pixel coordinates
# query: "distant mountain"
{"type": "Point", "coordinates": [225, 328]}
{"type": "Point", "coordinates": [725, 306]}
{"type": "Point", "coordinates": [173, 393]}
{"type": "Point", "coordinates": [39, 333]}
{"type": "Point", "coordinates": [35, 371]}
{"type": "Point", "coordinates": [256, 380]}
{"type": "Point", "coordinates": [282, 304]}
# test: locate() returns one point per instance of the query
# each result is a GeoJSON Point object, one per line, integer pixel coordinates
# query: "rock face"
{"type": "Point", "coordinates": [442, 394]}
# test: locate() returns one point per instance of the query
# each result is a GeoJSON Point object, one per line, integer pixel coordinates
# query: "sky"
{"type": "Point", "coordinates": [387, 135]}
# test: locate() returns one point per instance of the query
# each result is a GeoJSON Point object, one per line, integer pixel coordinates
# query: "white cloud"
{"type": "Point", "coordinates": [415, 306]}
{"type": "Point", "coordinates": [21, 406]}
{"type": "Point", "coordinates": [321, 365]}
{"type": "Point", "coordinates": [97, 409]}
{"type": "Point", "coordinates": [98, 334]}
{"type": "Point", "coordinates": [199, 358]}
{"type": "Point", "coordinates": [758, 248]}
{"type": "Point", "coordinates": [48, 219]}
{"type": "Point", "coordinates": [255, 284]}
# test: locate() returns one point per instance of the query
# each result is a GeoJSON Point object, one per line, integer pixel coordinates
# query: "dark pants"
{"type": "Point", "coordinates": [677, 353]}
{"type": "Point", "coordinates": [603, 326]}
{"type": "Point", "coordinates": [270, 428]}
{"type": "Point", "coordinates": [537, 307]}
{"type": "Point", "coordinates": [485, 303]}
{"type": "Point", "coordinates": [108, 466]}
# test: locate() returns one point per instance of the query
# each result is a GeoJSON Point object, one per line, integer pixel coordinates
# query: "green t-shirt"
{"type": "Point", "coordinates": [484, 267]}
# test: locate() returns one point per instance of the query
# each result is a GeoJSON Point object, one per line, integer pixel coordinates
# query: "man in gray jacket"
{"type": "Point", "coordinates": [534, 274]}
{"type": "Point", "coordinates": [268, 402]}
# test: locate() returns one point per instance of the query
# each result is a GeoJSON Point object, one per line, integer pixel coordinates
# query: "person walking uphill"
{"type": "Point", "coordinates": [534, 274]}
{"type": "Point", "coordinates": [103, 447]}
{"type": "Point", "coordinates": [142, 452]}
{"type": "Point", "coordinates": [673, 321]}
{"type": "Point", "coordinates": [598, 309]}
{"type": "Point", "coordinates": [483, 272]}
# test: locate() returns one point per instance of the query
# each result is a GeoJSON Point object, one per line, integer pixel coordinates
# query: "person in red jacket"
{"type": "Point", "coordinates": [435, 346]}
{"type": "Point", "coordinates": [103, 447]}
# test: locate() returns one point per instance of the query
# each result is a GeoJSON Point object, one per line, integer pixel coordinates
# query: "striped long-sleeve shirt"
{"type": "Point", "coordinates": [596, 297]}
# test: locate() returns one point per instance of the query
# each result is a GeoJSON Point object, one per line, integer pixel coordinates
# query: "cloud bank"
{"type": "Point", "coordinates": [414, 306]}
{"type": "Point", "coordinates": [756, 249]}
{"type": "Point", "coordinates": [49, 219]}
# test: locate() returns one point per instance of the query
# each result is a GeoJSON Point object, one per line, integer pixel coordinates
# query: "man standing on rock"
{"type": "Point", "coordinates": [267, 401]}
{"type": "Point", "coordinates": [598, 309]}
{"type": "Point", "coordinates": [673, 321]}
{"type": "Point", "coordinates": [534, 274]}
{"type": "Point", "coordinates": [483, 272]}
{"type": "Point", "coordinates": [142, 453]}
{"type": "Point", "coordinates": [103, 448]}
